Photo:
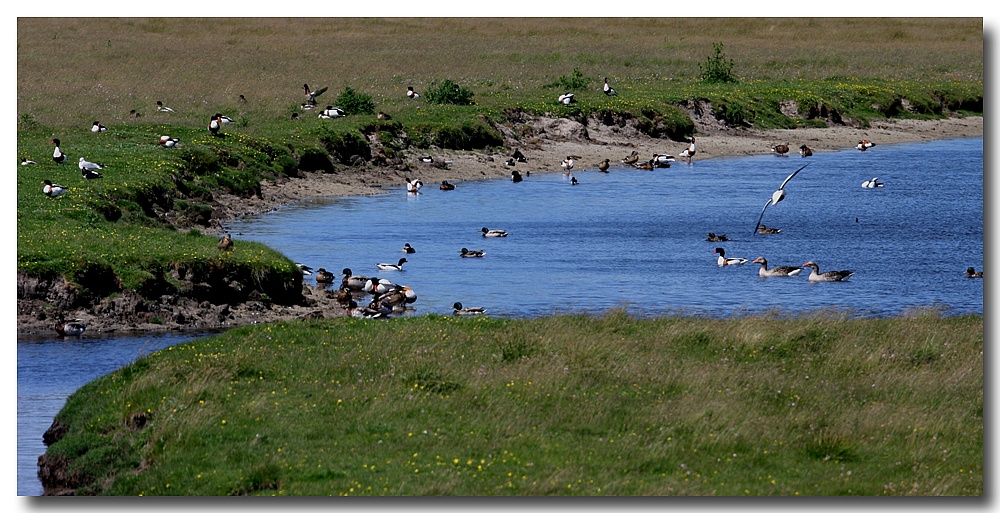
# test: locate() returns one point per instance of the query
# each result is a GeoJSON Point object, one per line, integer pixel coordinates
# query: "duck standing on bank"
{"type": "Point", "coordinates": [631, 158]}
{"type": "Point", "coordinates": [226, 243]}
{"type": "Point", "coordinates": [58, 156]}
{"type": "Point", "coordinates": [689, 151]}
{"type": "Point", "coordinates": [780, 149]}
{"type": "Point", "coordinates": [215, 125]}
{"type": "Point", "coordinates": [816, 276]}
{"type": "Point", "coordinates": [604, 165]}
{"type": "Point", "coordinates": [608, 90]}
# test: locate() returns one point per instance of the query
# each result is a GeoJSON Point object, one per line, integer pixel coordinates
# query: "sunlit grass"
{"type": "Point", "coordinates": [565, 405]}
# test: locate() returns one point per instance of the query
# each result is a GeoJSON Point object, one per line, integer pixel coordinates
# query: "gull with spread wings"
{"type": "Point", "coordinates": [777, 196]}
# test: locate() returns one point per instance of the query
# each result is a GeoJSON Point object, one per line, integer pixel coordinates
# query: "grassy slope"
{"type": "Point", "coordinates": [564, 405]}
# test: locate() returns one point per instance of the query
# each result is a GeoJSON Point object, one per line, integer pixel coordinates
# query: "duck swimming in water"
{"type": "Point", "coordinates": [781, 270]}
{"type": "Point", "coordinates": [723, 261]}
{"type": "Point", "coordinates": [816, 276]}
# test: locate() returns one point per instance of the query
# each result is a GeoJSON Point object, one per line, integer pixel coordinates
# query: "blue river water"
{"type": "Point", "coordinates": [625, 239]}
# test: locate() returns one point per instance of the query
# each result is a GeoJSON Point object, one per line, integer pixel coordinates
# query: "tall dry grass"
{"type": "Point", "coordinates": [74, 70]}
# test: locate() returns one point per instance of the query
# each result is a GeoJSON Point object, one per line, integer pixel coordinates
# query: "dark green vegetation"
{"type": "Point", "coordinates": [565, 405]}
{"type": "Point", "coordinates": [486, 73]}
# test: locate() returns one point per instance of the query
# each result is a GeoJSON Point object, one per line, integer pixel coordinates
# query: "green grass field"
{"type": "Point", "coordinates": [566, 405]}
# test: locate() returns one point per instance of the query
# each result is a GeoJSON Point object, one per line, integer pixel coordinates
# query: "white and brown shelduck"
{"type": "Point", "coordinates": [168, 142]}
{"type": "Point", "coordinates": [723, 261]}
{"type": "Point", "coordinates": [89, 169]}
{"type": "Point", "coordinates": [398, 266]}
{"type": "Point", "coordinates": [98, 127]}
{"type": "Point", "coordinates": [414, 186]}
{"type": "Point", "coordinates": [566, 98]}
{"type": "Point", "coordinates": [58, 156]}
{"type": "Point", "coordinates": [567, 164]}
{"type": "Point", "coordinates": [662, 160]}
{"type": "Point", "coordinates": [331, 112]}
{"type": "Point", "coordinates": [781, 270]}
{"type": "Point", "coordinates": [815, 275]}
{"type": "Point", "coordinates": [864, 144]}
{"type": "Point", "coordinates": [872, 184]}
{"type": "Point", "coordinates": [608, 90]}
{"type": "Point", "coordinates": [493, 233]}
{"type": "Point", "coordinates": [160, 107]}
{"type": "Point", "coordinates": [689, 151]}
{"type": "Point", "coordinates": [26, 162]}
{"type": "Point", "coordinates": [410, 93]}
{"type": "Point", "coordinates": [215, 125]}
{"type": "Point", "coordinates": [52, 190]}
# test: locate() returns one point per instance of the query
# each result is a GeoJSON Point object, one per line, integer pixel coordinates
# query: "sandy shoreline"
{"type": "Point", "coordinates": [559, 138]}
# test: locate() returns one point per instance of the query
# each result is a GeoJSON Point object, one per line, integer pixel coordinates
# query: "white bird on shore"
{"type": "Point", "coordinates": [777, 196]}
{"type": "Point", "coordinates": [168, 142]}
{"type": "Point", "coordinates": [98, 127]}
{"type": "Point", "coordinates": [26, 162]}
{"type": "Point", "coordinates": [53, 190]}
{"type": "Point", "coordinates": [162, 108]}
{"type": "Point", "coordinates": [86, 165]}
{"type": "Point", "coordinates": [331, 112]}
{"type": "Point", "coordinates": [58, 156]}
{"type": "Point", "coordinates": [567, 164]}
{"type": "Point", "coordinates": [608, 90]}
{"type": "Point", "coordinates": [689, 151]}
{"type": "Point", "coordinates": [410, 93]}
{"type": "Point", "coordinates": [566, 99]}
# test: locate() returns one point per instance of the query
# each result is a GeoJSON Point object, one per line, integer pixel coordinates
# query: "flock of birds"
{"type": "Point", "coordinates": [388, 298]}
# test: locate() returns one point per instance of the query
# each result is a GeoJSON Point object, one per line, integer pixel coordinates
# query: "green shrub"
{"type": "Point", "coordinates": [448, 92]}
{"type": "Point", "coordinates": [576, 82]}
{"type": "Point", "coordinates": [344, 145]}
{"type": "Point", "coordinates": [353, 102]}
{"type": "Point", "coordinates": [717, 70]}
